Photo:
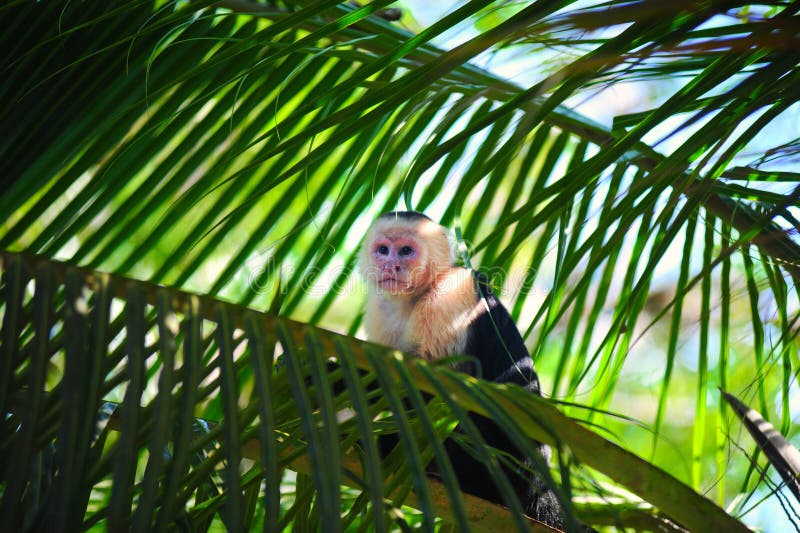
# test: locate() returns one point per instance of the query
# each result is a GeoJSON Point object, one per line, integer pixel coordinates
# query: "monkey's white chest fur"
{"type": "Point", "coordinates": [432, 326]}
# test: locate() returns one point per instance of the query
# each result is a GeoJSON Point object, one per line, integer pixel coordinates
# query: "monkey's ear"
{"type": "Point", "coordinates": [458, 246]}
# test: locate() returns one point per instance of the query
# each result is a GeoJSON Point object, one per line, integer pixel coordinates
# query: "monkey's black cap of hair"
{"type": "Point", "coordinates": [406, 215]}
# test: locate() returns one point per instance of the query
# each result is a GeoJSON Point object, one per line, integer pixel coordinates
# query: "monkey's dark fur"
{"type": "Point", "coordinates": [503, 359]}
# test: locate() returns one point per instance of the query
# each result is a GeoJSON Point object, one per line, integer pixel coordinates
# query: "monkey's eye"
{"type": "Point", "coordinates": [406, 250]}
{"type": "Point", "coordinates": [383, 249]}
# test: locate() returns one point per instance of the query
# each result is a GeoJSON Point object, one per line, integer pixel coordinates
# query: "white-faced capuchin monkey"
{"type": "Point", "coordinates": [420, 302]}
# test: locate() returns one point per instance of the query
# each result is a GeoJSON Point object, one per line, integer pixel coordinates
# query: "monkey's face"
{"type": "Point", "coordinates": [402, 257]}
{"type": "Point", "coordinates": [398, 265]}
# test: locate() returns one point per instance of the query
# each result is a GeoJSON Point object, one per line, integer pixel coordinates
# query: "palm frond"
{"type": "Point", "coordinates": [168, 354]}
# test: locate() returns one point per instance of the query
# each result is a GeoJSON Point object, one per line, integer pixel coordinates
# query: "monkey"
{"type": "Point", "coordinates": [421, 303]}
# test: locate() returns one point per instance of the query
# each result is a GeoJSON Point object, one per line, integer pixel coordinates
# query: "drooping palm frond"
{"type": "Point", "coordinates": [166, 354]}
{"type": "Point", "coordinates": [237, 149]}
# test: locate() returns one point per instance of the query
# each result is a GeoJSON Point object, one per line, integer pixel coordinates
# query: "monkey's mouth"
{"type": "Point", "coordinates": [392, 283]}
